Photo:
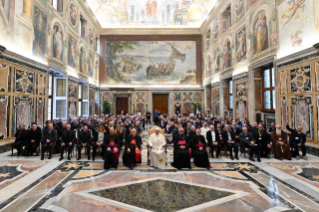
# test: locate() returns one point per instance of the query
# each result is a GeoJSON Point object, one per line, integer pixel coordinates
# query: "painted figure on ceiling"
{"type": "Point", "coordinates": [239, 7]}
{"type": "Point", "coordinates": [260, 33]}
{"type": "Point", "coordinates": [151, 8]}
{"type": "Point", "coordinates": [293, 10]}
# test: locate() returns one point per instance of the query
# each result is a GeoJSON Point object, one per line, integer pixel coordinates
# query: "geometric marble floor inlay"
{"type": "Point", "coordinates": [163, 195]}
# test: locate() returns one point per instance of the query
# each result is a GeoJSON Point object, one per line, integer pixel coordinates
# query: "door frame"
{"type": "Point", "coordinates": [170, 100]}
{"type": "Point", "coordinates": [115, 96]}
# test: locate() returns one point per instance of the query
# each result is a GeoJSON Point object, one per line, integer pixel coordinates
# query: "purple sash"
{"type": "Point", "coordinates": [115, 152]}
{"type": "Point", "coordinates": [189, 149]}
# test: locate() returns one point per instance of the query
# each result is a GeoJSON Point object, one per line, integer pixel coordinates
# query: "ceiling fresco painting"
{"type": "Point", "coordinates": [151, 13]}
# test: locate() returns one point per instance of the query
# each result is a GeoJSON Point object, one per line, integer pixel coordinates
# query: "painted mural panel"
{"type": "Point", "coordinates": [57, 42]}
{"type": "Point", "coordinates": [72, 51]}
{"type": "Point", "coordinates": [91, 65]}
{"type": "Point", "coordinates": [217, 61]}
{"type": "Point", "coordinates": [40, 37]}
{"type": "Point", "coordinates": [215, 29]}
{"type": "Point", "coordinates": [22, 112]}
{"type": "Point", "coordinates": [227, 54]}
{"type": "Point", "coordinates": [5, 79]}
{"type": "Point", "coordinates": [241, 50]}
{"type": "Point", "coordinates": [83, 60]}
{"type": "Point", "coordinates": [241, 90]}
{"type": "Point", "coordinates": [151, 62]}
{"type": "Point", "coordinates": [316, 5]}
{"type": "Point", "coordinates": [91, 36]}
{"type": "Point", "coordinates": [73, 10]}
{"type": "Point", "coordinates": [208, 66]}
{"type": "Point", "coordinates": [97, 69]}
{"type": "Point", "coordinates": [4, 115]}
{"type": "Point", "coordinates": [73, 87]}
{"type": "Point", "coordinates": [24, 81]}
{"type": "Point", "coordinates": [296, 25]}
{"type": "Point", "coordinates": [300, 79]}
{"type": "Point", "coordinates": [260, 32]}
{"type": "Point", "coordinates": [302, 114]}
{"type": "Point", "coordinates": [239, 9]}
{"type": "Point", "coordinates": [284, 112]}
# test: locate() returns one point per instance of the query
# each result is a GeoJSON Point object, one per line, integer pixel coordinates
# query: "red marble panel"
{"type": "Point", "coordinates": [3, 116]}
{"type": "Point", "coordinates": [23, 114]}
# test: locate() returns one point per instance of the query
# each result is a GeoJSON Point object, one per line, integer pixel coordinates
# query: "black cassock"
{"type": "Point", "coordinates": [181, 156]}
{"type": "Point", "coordinates": [200, 156]}
{"type": "Point", "coordinates": [111, 157]}
{"type": "Point", "coordinates": [133, 157]}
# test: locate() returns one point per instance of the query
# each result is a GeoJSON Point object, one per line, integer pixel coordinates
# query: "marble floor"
{"type": "Point", "coordinates": [28, 184]}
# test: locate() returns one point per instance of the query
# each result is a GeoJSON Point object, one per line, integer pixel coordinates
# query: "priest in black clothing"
{"type": "Point", "coordinates": [111, 155]}
{"type": "Point", "coordinates": [200, 152]}
{"type": "Point", "coordinates": [213, 140]}
{"type": "Point", "coordinates": [132, 153]}
{"type": "Point", "coordinates": [21, 138]}
{"type": "Point", "coordinates": [263, 140]}
{"type": "Point", "coordinates": [34, 139]}
{"type": "Point", "coordinates": [67, 141]}
{"type": "Point", "coordinates": [229, 139]}
{"type": "Point", "coordinates": [181, 150]}
{"type": "Point", "coordinates": [49, 139]}
{"type": "Point", "coordinates": [84, 141]}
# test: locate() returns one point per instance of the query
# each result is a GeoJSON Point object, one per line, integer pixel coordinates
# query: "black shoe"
{"type": "Point", "coordinates": [115, 167]}
{"type": "Point", "coordinates": [89, 158]}
{"type": "Point", "coordinates": [93, 159]}
{"type": "Point", "coordinates": [279, 158]}
{"type": "Point", "coordinates": [69, 157]}
{"type": "Point", "coordinates": [61, 158]}
{"type": "Point", "coordinates": [79, 158]}
{"type": "Point", "coordinates": [42, 157]}
{"type": "Point", "coordinates": [258, 159]}
{"type": "Point", "coordinates": [213, 156]}
{"type": "Point", "coordinates": [50, 156]}
{"type": "Point", "coordinates": [251, 158]}
{"type": "Point", "coordinates": [236, 158]}
{"type": "Point", "coordinates": [131, 167]}
{"type": "Point", "coordinates": [190, 168]}
{"type": "Point", "coordinates": [231, 158]}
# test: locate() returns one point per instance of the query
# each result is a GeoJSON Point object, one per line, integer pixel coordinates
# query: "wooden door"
{"type": "Point", "coordinates": [121, 104]}
{"type": "Point", "coordinates": [160, 103]}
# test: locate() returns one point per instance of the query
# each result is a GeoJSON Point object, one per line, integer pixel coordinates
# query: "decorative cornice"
{"type": "Point", "coordinates": [240, 76]}
{"type": "Point", "coordinates": [150, 31]}
{"type": "Point", "coordinates": [21, 60]}
{"type": "Point", "coordinates": [262, 61]}
{"type": "Point", "coordinates": [298, 57]}
{"type": "Point", "coordinates": [215, 84]}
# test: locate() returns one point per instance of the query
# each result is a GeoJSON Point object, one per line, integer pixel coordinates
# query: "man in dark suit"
{"type": "Point", "coordinates": [84, 141]}
{"type": "Point", "coordinates": [162, 122]}
{"type": "Point", "coordinates": [67, 141]}
{"type": "Point", "coordinates": [298, 140]}
{"type": "Point", "coordinates": [236, 131]}
{"type": "Point", "coordinates": [21, 137]}
{"type": "Point", "coordinates": [271, 128]}
{"type": "Point", "coordinates": [263, 140]}
{"type": "Point", "coordinates": [213, 140]}
{"type": "Point", "coordinates": [34, 138]}
{"type": "Point", "coordinates": [49, 138]}
{"type": "Point", "coordinates": [248, 141]}
{"type": "Point", "coordinates": [229, 139]}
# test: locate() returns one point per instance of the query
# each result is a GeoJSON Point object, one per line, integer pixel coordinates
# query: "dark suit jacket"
{"type": "Point", "coordinates": [225, 136]}
{"type": "Point", "coordinates": [50, 136]}
{"type": "Point", "coordinates": [265, 139]}
{"type": "Point", "coordinates": [35, 135]}
{"type": "Point", "coordinates": [22, 137]}
{"type": "Point", "coordinates": [85, 137]}
{"type": "Point", "coordinates": [295, 137]}
{"type": "Point", "coordinates": [65, 137]}
{"type": "Point", "coordinates": [243, 138]}
{"type": "Point", "coordinates": [209, 137]}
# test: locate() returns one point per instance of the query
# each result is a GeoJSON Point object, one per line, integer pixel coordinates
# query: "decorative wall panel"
{"type": "Point", "coordinates": [24, 81]}
{"type": "Point", "coordinates": [300, 79]}
{"type": "Point", "coordinates": [187, 96]}
{"type": "Point", "coordinates": [283, 82]}
{"type": "Point", "coordinates": [317, 75]}
{"type": "Point", "coordinates": [241, 90]}
{"type": "Point", "coordinates": [5, 79]}
{"type": "Point", "coordinates": [73, 90]}
{"type": "Point", "coordinates": [258, 95]}
{"type": "Point", "coordinates": [241, 110]}
{"type": "Point", "coordinates": [72, 109]}
{"type": "Point", "coordinates": [302, 114]}
{"type": "Point", "coordinates": [269, 118]}
{"type": "Point", "coordinates": [208, 98]}
{"type": "Point", "coordinates": [40, 111]}
{"type": "Point", "coordinates": [92, 108]}
{"type": "Point", "coordinates": [284, 112]}
{"type": "Point", "coordinates": [22, 112]}
{"type": "Point", "coordinates": [41, 84]}
{"type": "Point", "coordinates": [4, 115]}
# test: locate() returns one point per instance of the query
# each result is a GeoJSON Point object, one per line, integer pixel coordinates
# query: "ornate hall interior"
{"type": "Point", "coordinates": [159, 105]}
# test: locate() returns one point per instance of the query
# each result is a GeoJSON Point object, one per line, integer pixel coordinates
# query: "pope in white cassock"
{"type": "Point", "coordinates": [157, 155]}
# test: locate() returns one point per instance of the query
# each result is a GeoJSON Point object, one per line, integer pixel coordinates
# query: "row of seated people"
{"type": "Point", "coordinates": [258, 142]}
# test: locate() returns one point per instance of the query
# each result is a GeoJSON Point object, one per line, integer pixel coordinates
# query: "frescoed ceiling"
{"type": "Point", "coordinates": [151, 13]}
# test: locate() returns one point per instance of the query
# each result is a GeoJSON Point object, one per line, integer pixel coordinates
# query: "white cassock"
{"type": "Point", "coordinates": [157, 155]}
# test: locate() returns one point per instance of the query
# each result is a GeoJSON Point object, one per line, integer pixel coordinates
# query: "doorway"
{"type": "Point", "coordinates": [160, 103]}
{"type": "Point", "coordinates": [121, 104]}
